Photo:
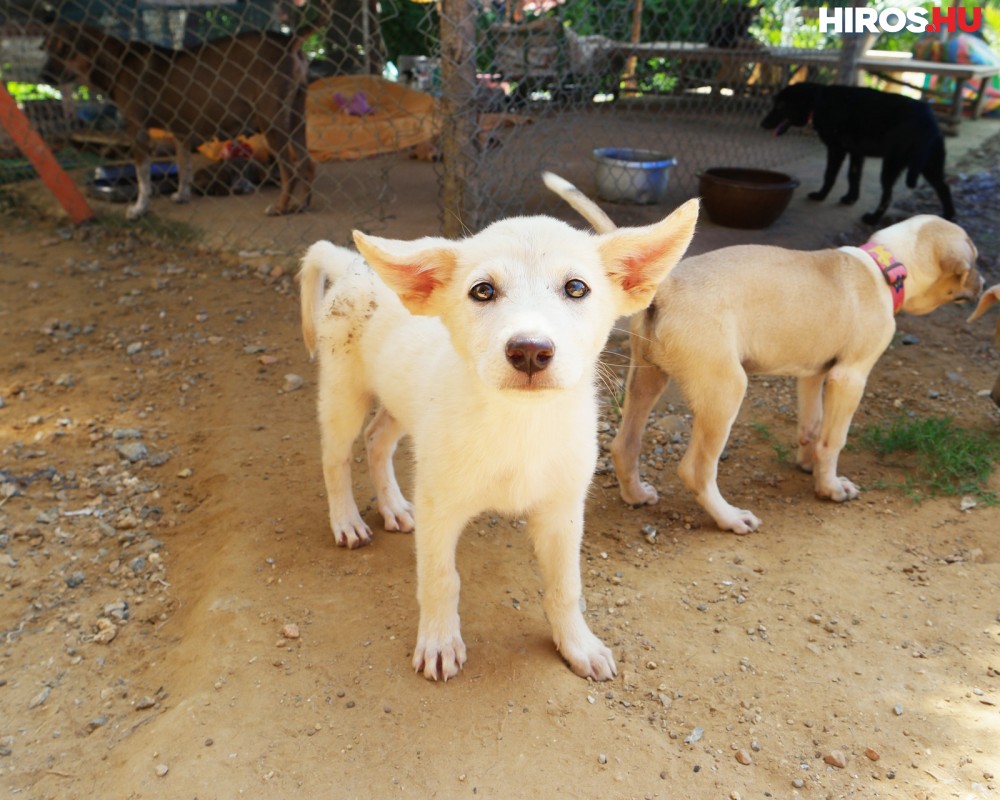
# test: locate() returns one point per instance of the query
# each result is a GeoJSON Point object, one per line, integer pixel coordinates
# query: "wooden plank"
{"type": "Point", "coordinates": [38, 153]}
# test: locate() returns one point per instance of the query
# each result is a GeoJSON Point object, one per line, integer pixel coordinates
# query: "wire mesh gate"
{"type": "Point", "coordinates": [469, 99]}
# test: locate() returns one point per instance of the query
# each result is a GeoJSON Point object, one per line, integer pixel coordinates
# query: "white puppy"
{"type": "Point", "coordinates": [485, 351]}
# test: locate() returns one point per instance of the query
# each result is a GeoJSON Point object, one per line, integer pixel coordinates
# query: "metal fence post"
{"type": "Point", "coordinates": [458, 83]}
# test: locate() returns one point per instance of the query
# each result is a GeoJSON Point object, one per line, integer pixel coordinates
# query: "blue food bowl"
{"type": "Point", "coordinates": [625, 175]}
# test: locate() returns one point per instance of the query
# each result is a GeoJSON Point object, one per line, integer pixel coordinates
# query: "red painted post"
{"type": "Point", "coordinates": [13, 120]}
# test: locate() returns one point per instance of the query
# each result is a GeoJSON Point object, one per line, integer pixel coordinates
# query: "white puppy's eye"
{"type": "Point", "coordinates": [482, 292]}
{"type": "Point", "coordinates": [576, 289]}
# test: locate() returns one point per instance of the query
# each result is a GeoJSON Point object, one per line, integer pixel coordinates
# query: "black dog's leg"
{"type": "Point", "coordinates": [891, 170]}
{"type": "Point", "coordinates": [834, 158]}
{"type": "Point", "coordinates": [854, 167]}
{"type": "Point", "coordinates": [934, 172]}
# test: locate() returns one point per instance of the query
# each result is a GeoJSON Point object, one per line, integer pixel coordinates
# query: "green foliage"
{"type": "Point", "coordinates": [940, 457]}
{"type": "Point", "coordinates": [782, 451]}
{"type": "Point", "coordinates": [150, 225]}
{"type": "Point", "coordinates": [409, 28]}
{"type": "Point", "coordinates": [31, 91]}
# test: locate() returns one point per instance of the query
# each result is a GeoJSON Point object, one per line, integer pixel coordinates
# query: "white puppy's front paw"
{"type": "Point", "coordinates": [839, 490]}
{"type": "Point", "coordinates": [350, 532]}
{"type": "Point", "coordinates": [639, 493]}
{"type": "Point", "coordinates": [135, 211]}
{"type": "Point", "coordinates": [589, 658]}
{"type": "Point", "coordinates": [439, 658]}
{"type": "Point", "coordinates": [180, 197]}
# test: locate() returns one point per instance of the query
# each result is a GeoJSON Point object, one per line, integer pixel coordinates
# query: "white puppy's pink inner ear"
{"type": "Point", "coordinates": [414, 282]}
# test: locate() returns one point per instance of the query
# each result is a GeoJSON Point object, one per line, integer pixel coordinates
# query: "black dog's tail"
{"type": "Point", "coordinates": [930, 154]}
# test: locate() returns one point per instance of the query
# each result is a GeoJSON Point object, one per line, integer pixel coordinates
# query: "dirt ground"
{"type": "Point", "coordinates": [176, 621]}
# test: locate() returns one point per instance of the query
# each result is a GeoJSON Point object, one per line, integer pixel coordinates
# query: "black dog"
{"type": "Point", "coordinates": [864, 122]}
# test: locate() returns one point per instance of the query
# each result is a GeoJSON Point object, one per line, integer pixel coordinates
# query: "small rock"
{"type": "Point", "coordinates": [798, 783]}
{"type": "Point", "coordinates": [40, 698]}
{"type": "Point", "coordinates": [97, 722]}
{"type": "Point", "coordinates": [161, 770]}
{"type": "Point", "coordinates": [144, 702]}
{"type": "Point", "coordinates": [267, 360]}
{"type": "Point", "coordinates": [292, 382]}
{"type": "Point", "coordinates": [106, 631]}
{"type": "Point", "coordinates": [134, 348]}
{"type": "Point", "coordinates": [897, 710]}
{"type": "Point", "coordinates": [694, 736]}
{"type": "Point", "coordinates": [602, 759]}
{"type": "Point", "coordinates": [133, 451]}
{"type": "Point", "coordinates": [910, 338]}
{"type": "Point", "coordinates": [290, 631]}
{"type": "Point", "coordinates": [75, 579]}
{"type": "Point", "coordinates": [743, 757]}
{"type": "Point", "coordinates": [872, 754]}
{"type": "Point", "coordinates": [187, 472]}
{"type": "Point", "coordinates": [835, 758]}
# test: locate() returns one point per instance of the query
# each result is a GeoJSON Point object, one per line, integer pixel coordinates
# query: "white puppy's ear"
{"type": "Point", "coordinates": [413, 270]}
{"type": "Point", "coordinates": [638, 259]}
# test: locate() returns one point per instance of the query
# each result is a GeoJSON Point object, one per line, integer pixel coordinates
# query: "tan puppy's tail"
{"type": "Point", "coordinates": [312, 277]}
{"type": "Point", "coordinates": [988, 298]}
{"type": "Point", "coordinates": [582, 204]}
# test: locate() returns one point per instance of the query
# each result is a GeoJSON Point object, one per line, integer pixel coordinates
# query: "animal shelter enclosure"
{"type": "Point", "coordinates": [465, 102]}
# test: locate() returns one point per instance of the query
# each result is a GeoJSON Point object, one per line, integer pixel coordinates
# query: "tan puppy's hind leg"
{"type": "Point", "coordinates": [643, 387]}
{"type": "Point", "coordinates": [844, 388]}
{"type": "Point", "coordinates": [810, 406]}
{"type": "Point", "coordinates": [715, 409]}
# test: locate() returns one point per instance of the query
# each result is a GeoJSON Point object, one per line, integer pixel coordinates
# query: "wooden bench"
{"type": "Point", "coordinates": [882, 63]}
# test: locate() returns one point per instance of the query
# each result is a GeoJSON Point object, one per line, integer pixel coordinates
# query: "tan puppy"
{"type": "Point", "coordinates": [485, 351]}
{"type": "Point", "coordinates": [990, 296]}
{"type": "Point", "coordinates": [824, 317]}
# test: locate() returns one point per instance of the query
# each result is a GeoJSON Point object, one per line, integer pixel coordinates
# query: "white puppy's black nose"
{"type": "Point", "coordinates": [530, 354]}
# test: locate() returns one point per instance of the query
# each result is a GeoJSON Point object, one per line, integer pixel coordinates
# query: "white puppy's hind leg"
{"type": "Point", "coordinates": [342, 410]}
{"type": "Point", "coordinates": [557, 530]}
{"type": "Point", "coordinates": [381, 437]}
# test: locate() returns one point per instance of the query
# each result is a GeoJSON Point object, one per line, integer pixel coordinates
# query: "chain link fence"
{"type": "Point", "coordinates": [452, 107]}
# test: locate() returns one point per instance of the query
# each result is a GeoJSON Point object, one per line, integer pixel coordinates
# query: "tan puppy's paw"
{"type": "Point", "coordinates": [589, 658]}
{"type": "Point", "coordinates": [737, 520]}
{"type": "Point", "coordinates": [351, 531]}
{"type": "Point", "coordinates": [639, 493]}
{"type": "Point", "coordinates": [840, 490]}
{"type": "Point", "coordinates": [439, 658]}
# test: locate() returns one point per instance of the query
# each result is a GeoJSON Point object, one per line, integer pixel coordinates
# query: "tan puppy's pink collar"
{"type": "Point", "coordinates": [894, 271]}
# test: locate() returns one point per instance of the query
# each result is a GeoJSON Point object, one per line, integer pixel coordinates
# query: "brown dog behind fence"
{"type": "Point", "coordinates": [220, 88]}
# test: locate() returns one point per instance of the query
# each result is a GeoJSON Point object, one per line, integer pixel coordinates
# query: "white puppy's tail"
{"type": "Point", "coordinates": [317, 268]}
{"type": "Point", "coordinates": [582, 204]}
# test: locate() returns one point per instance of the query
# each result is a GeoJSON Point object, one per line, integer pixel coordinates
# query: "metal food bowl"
{"type": "Point", "coordinates": [745, 198]}
{"type": "Point", "coordinates": [632, 176]}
